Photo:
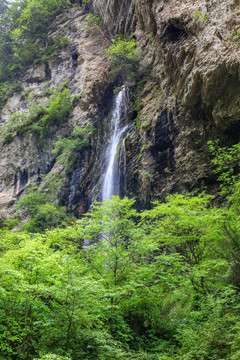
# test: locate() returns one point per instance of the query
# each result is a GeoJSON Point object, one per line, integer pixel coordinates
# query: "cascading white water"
{"type": "Point", "coordinates": [124, 164]}
{"type": "Point", "coordinates": [111, 178]}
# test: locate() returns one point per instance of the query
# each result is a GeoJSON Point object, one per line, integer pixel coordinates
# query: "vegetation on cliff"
{"type": "Point", "coordinates": [40, 119]}
{"type": "Point", "coordinates": [23, 33]}
{"type": "Point", "coordinates": [24, 39]}
{"type": "Point", "coordinates": [124, 58]}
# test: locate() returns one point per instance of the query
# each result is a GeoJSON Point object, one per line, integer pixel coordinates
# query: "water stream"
{"type": "Point", "coordinates": [111, 180]}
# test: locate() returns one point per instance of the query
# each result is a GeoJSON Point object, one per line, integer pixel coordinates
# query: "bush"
{"type": "Point", "coordinates": [92, 21]}
{"type": "Point", "coordinates": [226, 165]}
{"type": "Point", "coordinates": [30, 202]}
{"type": "Point", "coordinates": [46, 217]}
{"type": "Point", "coordinates": [6, 89]}
{"type": "Point", "coordinates": [124, 58]}
{"type": "Point", "coordinates": [41, 213]}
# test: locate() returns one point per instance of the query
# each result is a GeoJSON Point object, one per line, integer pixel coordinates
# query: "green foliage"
{"type": "Point", "coordinates": [158, 284]}
{"type": "Point", "coordinates": [6, 89]}
{"type": "Point", "coordinates": [70, 149]}
{"type": "Point", "coordinates": [52, 49]}
{"type": "Point", "coordinates": [41, 214]}
{"type": "Point", "coordinates": [234, 36]}
{"type": "Point", "coordinates": [23, 35]}
{"type": "Point", "coordinates": [9, 223]}
{"type": "Point", "coordinates": [124, 58]}
{"type": "Point", "coordinates": [201, 18]}
{"type": "Point", "coordinates": [30, 202]}
{"type": "Point", "coordinates": [24, 27]}
{"type": "Point", "coordinates": [92, 21]}
{"type": "Point", "coordinates": [41, 119]}
{"type": "Point", "coordinates": [47, 216]}
{"type": "Point", "coordinates": [226, 165]}
{"type": "Point", "coordinates": [85, 2]}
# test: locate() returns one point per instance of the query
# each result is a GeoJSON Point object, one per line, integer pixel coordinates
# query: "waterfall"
{"type": "Point", "coordinates": [124, 164]}
{"type": "Point", "coordinates": [111, 176]}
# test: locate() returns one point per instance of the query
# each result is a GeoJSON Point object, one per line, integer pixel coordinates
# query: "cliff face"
{"type": "Point", "coordinates": [190, 53]}
{"type": "Point", "coordinates": [118, 16]}
{"type": "Point", "coordinates": [194, 59]}
{"type": "Point", "coordinates": [25, 159]}
{"type": "Point", "coordinates": [190, 93]}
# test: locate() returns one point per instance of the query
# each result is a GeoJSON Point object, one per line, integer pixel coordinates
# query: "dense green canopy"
{"type": "Point", "coordinates": [159, 284]}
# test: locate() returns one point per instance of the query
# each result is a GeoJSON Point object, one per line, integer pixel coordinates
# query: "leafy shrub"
{"type": "Point", "coordinates": [8, 224]}
{"type": "Point", "coordinates": [42, 215]}
{"type": "Point", "coordinates": [52, 48]}
{"type": "Point", "coordinates": [23, 23]}
{"type": "Point", "coordinates": [124, 57]}
{"type": "Point", "coordinates": [47, 216]}
{"type": "Point", "coordinates": [199, 16]}
{"type": "Point", "coordinates": [24, 40]}
{"type": "Point", "coordinates": [6, 89]}
{"type": "Point", "coordinates": [30, 202]}
{"type": "Point", "coordinates": [226, 165]}
{"type": "Point", "coordinates": [85, 2]}
{"type": "Point", "coordinates": [234, 36]}
{"type": "Point", "coordinates": [92, 21]}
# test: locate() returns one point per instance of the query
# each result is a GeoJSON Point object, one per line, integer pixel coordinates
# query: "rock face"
{"type": "Point", "coordinates": [189, 94]}
{"type": "Point", "coordinates": [118, 16]}
{"type": "Point", "coordinates": [190, 55]}
{"type": "Point", "coordinates": [83, 62]}
{"type": "Point", "coordinates": [194, 60]}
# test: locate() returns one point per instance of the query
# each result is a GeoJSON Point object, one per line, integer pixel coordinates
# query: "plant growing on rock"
{"type": "Point", "coordinates": [71, 148]}
{"type": "Point", "coordinates": [23, 34]}
{"type": "Point", "coordinates": [92, 21]}
{"type": "Point", "coordinates": [6, 89]}
{"type": "Point", "coordinates": [124, 58]}
{"type": "Point", "coordinates": [41, 118]}
{"type": "Point", "coordinates": [53, 357]}
{"type": "Point", "coordinates": [200, 19]}
{"type": "Point", "coordinates": [234, 36]}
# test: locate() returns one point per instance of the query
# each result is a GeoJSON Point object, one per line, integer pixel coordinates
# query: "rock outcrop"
{"type": "Point", "coordinates": [118, 16]}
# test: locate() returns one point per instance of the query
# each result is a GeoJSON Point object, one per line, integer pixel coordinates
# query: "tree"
{"type": "Point", "coordinates": [226, 165]}
{"type": "Point", "coordinates": [191, 227]}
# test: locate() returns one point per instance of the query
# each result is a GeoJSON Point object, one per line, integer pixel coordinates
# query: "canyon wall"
{"type": "Point", "coordinates": [190, 54]}
{"type": "Point", "coordinates": [189, 93]}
